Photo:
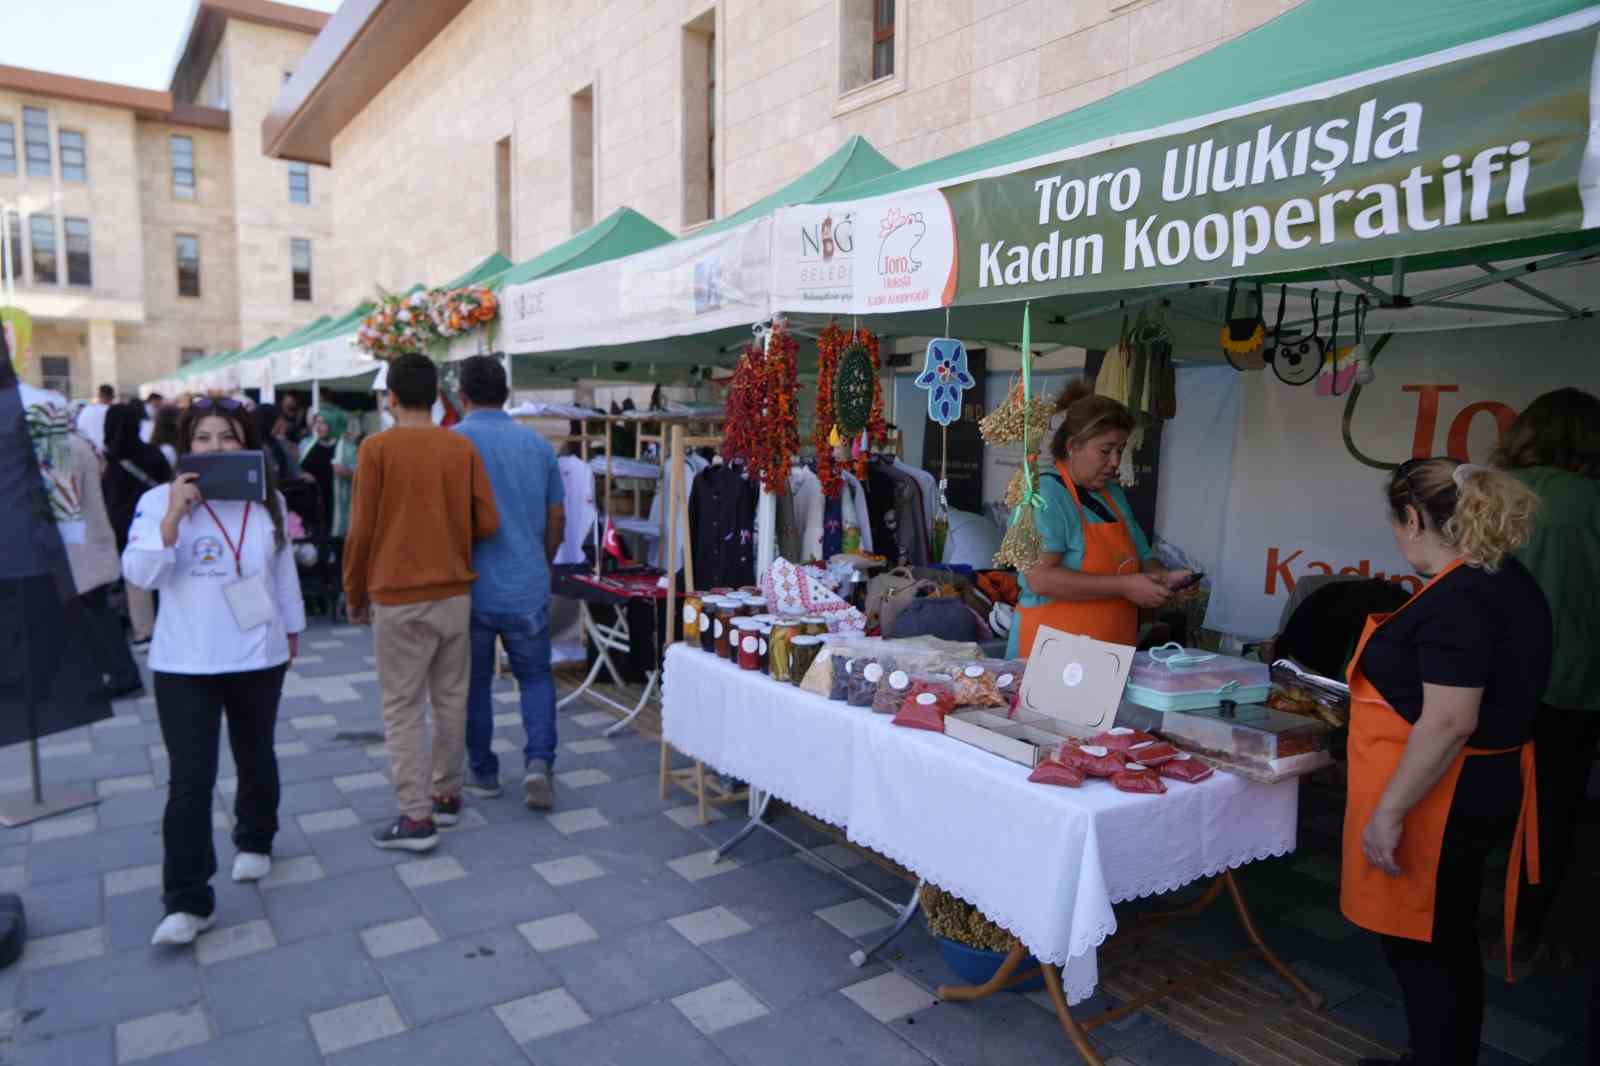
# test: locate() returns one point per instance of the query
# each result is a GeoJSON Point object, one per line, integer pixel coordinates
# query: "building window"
{"type": "Point", "coordinates": [502, 196]}
{"type": "Point", "coordinates": [188, 246]}
{"type": "Point", "coordinates": [181, 152]}
{"type": "Point", "coordinates": [42, 240]}
{"type": "Point", "coordinates": [700, 119]}
{"type": "Point", "coordinates": [882, 39]}
{"type": "Point", "coordinates": [8, 147]}
{"type": "Point", "coordinates": [78, 268]}
{"type": "Point", "coordinates": [55, 374]}
{"type": "Point", "coordinates": [300, 267]}
{"type": "Point", "coordinates": [74, 164]}
{"type": "Point", "coordinates": [299, 183]}
{"type": "Point", "coordinates": [14, 239]}
{"type": "Point", "coordinates": [190, 355]}
{"type": "Point", "coordinates": [583, 158]}
{"type": "Point", "coordinates": [36, 141]}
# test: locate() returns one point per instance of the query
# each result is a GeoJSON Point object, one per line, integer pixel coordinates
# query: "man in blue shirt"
{"type": "Point", "coordinates": [511, 597]}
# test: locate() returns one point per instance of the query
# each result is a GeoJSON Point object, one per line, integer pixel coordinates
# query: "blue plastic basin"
{"type": "Point", "coordinates": [975, 965]}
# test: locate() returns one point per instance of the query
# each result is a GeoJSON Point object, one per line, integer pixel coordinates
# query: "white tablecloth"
{"type": "Point", "coordinates": [1046, 863]}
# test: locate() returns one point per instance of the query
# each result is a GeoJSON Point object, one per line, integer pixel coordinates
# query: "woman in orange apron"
{"type": "Point", "coordinates": [1095, 570]}
{"type": "Point", "coordinates": [1442, 697]}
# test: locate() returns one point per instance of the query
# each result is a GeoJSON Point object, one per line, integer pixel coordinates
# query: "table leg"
{"type": "Point", "coordinates": [666, 767]}
{"type": "Point", "coordinates": [904, 914]}
{"type": "Point", "coordinates": [1001, 978]}
{"type": "Point", "coordinates": [757, 813]}
{"type": "Point", "coordinates": [1305, 993]}
{"type": "Point", "coordinates": [1069, 1024]}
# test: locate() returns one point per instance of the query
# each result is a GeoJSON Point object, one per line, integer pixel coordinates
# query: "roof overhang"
{"type": "Point", "coordinates": [205, 34]}
{"type": "Point", "coordinates": [145, 103]}
{"type": "Point", "coordinates": [363, 47]}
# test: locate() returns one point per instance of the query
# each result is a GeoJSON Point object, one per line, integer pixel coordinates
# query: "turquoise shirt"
{"type": "Point", "coordinates": [1061, 530]}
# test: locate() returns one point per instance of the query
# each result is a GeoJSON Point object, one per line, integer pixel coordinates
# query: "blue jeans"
{"type": "Point", "coordinates": [527, 641]}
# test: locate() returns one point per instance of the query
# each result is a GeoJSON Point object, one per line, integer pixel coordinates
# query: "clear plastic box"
{"type": "Point", "coordinates": [1251, 733]}
{"type": "Point", "coordinates": [1175, 678]}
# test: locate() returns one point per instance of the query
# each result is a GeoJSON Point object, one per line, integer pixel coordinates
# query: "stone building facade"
{"type": "Point", "coordinates": [510, 124]}
{"type": "Point", "coordinates": [169, 231]}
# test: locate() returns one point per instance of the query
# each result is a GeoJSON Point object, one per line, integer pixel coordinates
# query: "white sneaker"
{"type": "Point", "coordinates": [180, 928]}
{"type": "Point", "coordinates": [251, 866]}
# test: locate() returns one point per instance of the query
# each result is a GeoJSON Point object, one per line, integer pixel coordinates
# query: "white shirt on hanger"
{"type": "Point", "coordinates": [806, 488]}
{"type": "Point", "coordinates": [195, 628]}
{"type": "Point", "coordinates": [855, 499]}
{"type": "Point", "coordinates": [577, 484]}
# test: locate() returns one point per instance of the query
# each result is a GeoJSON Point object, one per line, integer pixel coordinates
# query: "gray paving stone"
{"type": "Point", "coordinates": [719, 1006]}
{"type": "Point", "coordinates": [557, 932]}
{"type": "Point", "coordinates": [286, 1043]}
{"type": "Point", "coordinates": [835, 1031]}
{"type": "Point", "coordinates": [776, 890]}
{"type": "Point", "coordinates": [347, 851]}
{"type": "Point", "coordinates": [856, 917]}
{"type": "Point", "coordinates": [97, 853]}
{"type": "Point", "coordinates": [234, 942]}
{"type": "Point", "coordinates": [816, 959]}
{"type": "Point", "coordinates": [657, 1035]}
{"type": "Point", "coordinates": [134, 808]}
{"type": "Point", "coordinates": [324, 764]}
{"type": "Point", "coordinates": [430, 871]}
{"type": "Point", "coordinates": [127, 984]}
{"type": "Point", "coordinates": [646, 838]}
{"type": "Point", "coordinates": [394, 938]}
{"type": "Point", "coordinates": [308, 796]}
{"type": "Point", "coordinates": [62, 906]}
{"type": "Point", "coordinates": [465, 974]}
{"type": "Point", "coordinates": [620, 973]}
{"type": "Point", "coordinates": [626, 800]}
{"type": "Point", "coordinates": [568, 871]}
{"type": "Point", "coordinates": [540, 1015]}
{"type": "Point", "coordinates": [889, 996]}
{"type": "Point", "coordinates": [61, 949]}
{"type": "Point", "coordinates": [713, 923]}
{"type": "Point", "coordinates": [126, 785]}
{"type": "Point", "coordinates": [627, 900]}
{"type": "Point", "coordinates": [478, 1039]}
{"type": "Point", "coordinates": [13, 878]}
{"type": "Point", "coordinates": [157, 1034]}
{"type": "Point", "coordinates": [295, 870]}
{"type": "Point", "coordinates": [577, 820]}
{"type": "Point", "coordinates": [337, 904]}
{"type": "Point", "coordinates": [328, 821]}
{"type": "Point", "coordinates": [65, 826]}
{"type": "Point", "coordinates": [310, 976]}
{"type": "Point", "coordinates": [459, 908]}
{"type": "Point", "coordinates": [1001, 1029]}
{"type": "Point", "coordinates": [87, 1047]}
{"type": "Point", "coordinates": [354, 1024]}
{"type": "Point", "coordinates": [486, 854]}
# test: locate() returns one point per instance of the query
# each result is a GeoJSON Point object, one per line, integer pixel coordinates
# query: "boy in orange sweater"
{"type": "Point", "coordinates": [421, 499]}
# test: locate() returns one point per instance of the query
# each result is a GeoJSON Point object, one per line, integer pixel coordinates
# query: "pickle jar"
{"type": "Point", "coordinates": [803, 651]}
{"type": "Point", "coordinates": [691, 616]}
{"type": "Point", "coordinates": [814, 625]}
{"type": "Point", "coordinates": [779, 648]}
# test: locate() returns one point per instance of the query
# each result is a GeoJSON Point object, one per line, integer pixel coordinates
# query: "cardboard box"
{"type": "Point", "coordinates": [1071, 689]}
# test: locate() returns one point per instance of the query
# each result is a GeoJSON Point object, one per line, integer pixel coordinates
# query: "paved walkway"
{"type": "Point", "coordinates": [600, 934]}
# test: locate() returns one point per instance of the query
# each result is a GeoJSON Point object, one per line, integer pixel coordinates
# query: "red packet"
{"type": "Point", "coordinates": [1152, 752]}
{"type": "Point", "coordinates": [1137, 777]}
{"type": "Point", "coordinates": [1051, 772]}
{"type": "Point", "coordinates": [1092, 759]}
{"type": "Point", "coordinates": [1121, 738]}
{"type": "Point", "coordinates": [924, 710]}
{"type": "Point", "coordinates": [1185, 767]}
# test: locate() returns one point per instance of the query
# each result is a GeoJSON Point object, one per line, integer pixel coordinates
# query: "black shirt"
{"type": "Point", "coordinates": [319, 464]}
{"type": "Point", "coordinates": [1472, 629]}
{"type": "Point", "coordinates": [722, 520]}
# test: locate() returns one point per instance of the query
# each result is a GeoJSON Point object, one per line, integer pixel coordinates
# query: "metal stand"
{"type": "Point", "coordinates": [607, 639]}
{"type": "Point", "coordinates": [903, 912]}
{"type": "Point", "coordinates": [1076, 1031]}
{"type": "Point", "coordinates": [20, 809]}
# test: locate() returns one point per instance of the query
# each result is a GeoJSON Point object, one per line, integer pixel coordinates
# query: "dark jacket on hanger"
{"type": "Point", "coordinates": [722, 528]}
{"type": "Point", "coordinates": [881, 513]}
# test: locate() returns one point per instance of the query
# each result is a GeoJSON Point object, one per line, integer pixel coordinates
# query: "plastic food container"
{"type": "Point", "coordinates": [1175, 678]}
{"type": "Point", "coordinates": [1252, 733]}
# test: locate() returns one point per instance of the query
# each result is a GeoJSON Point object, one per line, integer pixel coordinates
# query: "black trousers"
{"type": "Point", "coordinates": [1564, 741]}
{"type": "Point", "coordinates": [1442, 980]}
{"type": "Point", "coordinates": [191, 708]}
{"type": "Point", "coordinates": [107, 643]}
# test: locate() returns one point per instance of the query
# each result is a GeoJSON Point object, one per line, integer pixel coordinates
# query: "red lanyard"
{"type": "Point", "coordinates": [237, 549]}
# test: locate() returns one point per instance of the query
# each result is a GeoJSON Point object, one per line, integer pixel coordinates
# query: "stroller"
{"type": "Point", "coordinates": [317, 554]}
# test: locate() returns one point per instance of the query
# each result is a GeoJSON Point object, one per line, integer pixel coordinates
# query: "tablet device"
{"type": "Point", "coordinates": [240, 475]}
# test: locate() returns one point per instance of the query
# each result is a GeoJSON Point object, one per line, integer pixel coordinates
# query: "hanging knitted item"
{"type": "Point", "coordinates": [944, 376]}
{"type": "Point", "coordinates": [854, 388]}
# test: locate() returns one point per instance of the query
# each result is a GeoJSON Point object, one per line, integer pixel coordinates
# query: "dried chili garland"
{"type": "Point", "coordinates": [830, 342]}
{"type": "Point", "coordinates": [763, 405]}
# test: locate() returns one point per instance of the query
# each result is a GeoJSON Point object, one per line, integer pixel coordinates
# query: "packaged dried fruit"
{"type": "Point", "coordinates": [1185, 767]}
{"type": "Point", "coordinates": [1136, 777]}
{"type": "Point", "coordinates": [865, 674]}
{"type": "Point", "coordinates": [1051, 772]}
{"type": "Point", "coordinates": [1121, 738]}
{"type": "Point", "coordinates": [1092, 759]}
{"type": "Point", "coordinates": [893, 688]}
{"type": "Point", "coordinates": [925, 707]}
{"type": "Point", "coordinates": [977, 684]}
{"type": "Point", "coordinates": [1152, 752]}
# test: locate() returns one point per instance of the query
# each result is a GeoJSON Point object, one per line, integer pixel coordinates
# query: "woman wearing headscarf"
{"type": "Point", "coordinates": [329, 456]}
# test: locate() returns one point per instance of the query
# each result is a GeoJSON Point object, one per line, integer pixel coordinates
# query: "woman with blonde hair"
{"type": "Point", "coordinates": [1443, 693]}
{"type": "Point", "coordinates": [1095, 567]}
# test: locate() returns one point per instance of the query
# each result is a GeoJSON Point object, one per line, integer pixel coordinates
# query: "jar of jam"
{"type": "Point", "coordinates": [764, 629]}
{"type": "Point", "coordinates": [691, 616]}
{"type": "Point", "coordinates": [747, 644]}
{"type": "Point", "coordinates": [758, 604]}
{"type": "Point", "coordinates": [722, 628]}
{"type": "Point", "coordinates": [803, 651]}
{"type": "Point", "coordinates": [778, 653]}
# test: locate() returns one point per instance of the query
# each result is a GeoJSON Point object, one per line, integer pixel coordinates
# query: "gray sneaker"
{"type": "Point", "coordinates": [536, 788]}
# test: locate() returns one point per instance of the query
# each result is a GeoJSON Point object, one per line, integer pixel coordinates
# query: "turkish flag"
{"type": "Point", "coordinates": [612, 544]}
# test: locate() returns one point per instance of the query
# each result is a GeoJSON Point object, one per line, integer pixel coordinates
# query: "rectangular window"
{"type": "Point", "coordinates": [190, 355]}
{"type": "Point", "coordinates": [8, 147]}
{"type": "Point", "coordinates": [583, 158]}
{"type": "Point", "coordinates": [502, 196]}
{"type": "Point", "coordinates": [700, 119]}
{"type": "Point", "coordinates": [14, 238]}
{"type": "Point", "coordinates": [55, 373]}
{"type": "Point", "coordinates": [78, 266]}
{"type": "Point", "coordinates": [299, 183]}
{"type": "Point", "coordinates": [74, 163]}
{"type": "Point", "coordinates": [42, 239]}
{"type": "Point", "coordinates": [188, 247]}
{"type": "Point", "coordinates": [181, 153]}
{"type": "Point", "coordinates": [882, 39]}
{"type": "Point", "coordinates": [300, 267]}
{"type": "Point", "coordinates": [36, 141]}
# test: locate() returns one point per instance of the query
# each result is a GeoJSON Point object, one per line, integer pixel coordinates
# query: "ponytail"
{"type": "Point", "coordinates": [1482, 513]}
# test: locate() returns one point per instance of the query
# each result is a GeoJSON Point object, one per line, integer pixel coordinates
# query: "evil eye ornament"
{"type": "Point", "coordinates": [944, 375]}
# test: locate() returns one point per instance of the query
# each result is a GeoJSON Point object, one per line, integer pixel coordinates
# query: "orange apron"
{"type": "Point", "coordinates": [1107, 549]}
{"type": "Point", "coordinates": [1403, 906]}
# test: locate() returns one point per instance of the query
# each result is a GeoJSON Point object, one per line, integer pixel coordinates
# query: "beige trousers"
{"type": "Point", "coordinates": [424, 655]}
{"type": "Point", "coordinates": [141, 611]}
